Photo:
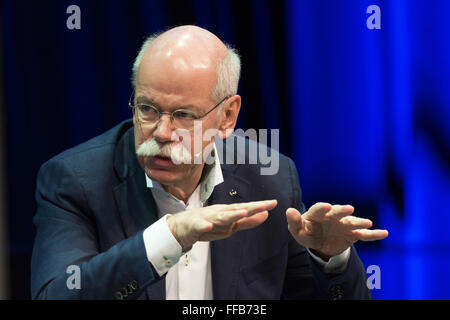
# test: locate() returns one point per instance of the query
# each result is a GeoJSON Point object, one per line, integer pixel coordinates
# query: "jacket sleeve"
{"type": "Point", "coordinates": [66, 242]}
{"type": "Point", "coordinates": [306, 280]}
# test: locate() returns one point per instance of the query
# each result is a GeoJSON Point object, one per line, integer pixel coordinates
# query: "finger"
{"type": "Point", "coordinates": [340, 211]}
{"type": "Point", "coordinates": [370, 235]}
{"type": "Point", "coordinates": [251, 222]}
{"type": "Point", "coordinates": [256, 206]}
{"type": "Point", "coordinates": [354, 223]}
{"type": "Point", "coordinates": [317, 211]}
{"type": "Point", "coordinates": [239, 210]}
{"type": "Point", "coordinates": [294, 219]}
{"type": "Point", "coordinates": [228, 217]}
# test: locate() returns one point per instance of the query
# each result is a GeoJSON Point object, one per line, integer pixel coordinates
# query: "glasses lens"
{"type": "Point", "coordinates": [183, 119]}
{"type": "Point", "coordinates": [148, 113]}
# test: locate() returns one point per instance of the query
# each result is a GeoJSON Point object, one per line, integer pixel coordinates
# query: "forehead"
{"type": "Point", "coordinates": [158, 81]}
{"type": "Point", "coordinates": [170, 91]}
{"type": "Point", "coordinates": [177, 71]}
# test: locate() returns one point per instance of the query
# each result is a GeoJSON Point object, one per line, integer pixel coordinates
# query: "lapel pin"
{"type": "Point", "coordinates": [234, 193]}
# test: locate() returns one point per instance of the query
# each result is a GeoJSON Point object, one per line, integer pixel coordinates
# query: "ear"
{"type": "Point", "coordinates": [229, 115]}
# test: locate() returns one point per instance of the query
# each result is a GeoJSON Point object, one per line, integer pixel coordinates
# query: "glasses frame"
{"type": "Point", "coordinates": [160, 113]}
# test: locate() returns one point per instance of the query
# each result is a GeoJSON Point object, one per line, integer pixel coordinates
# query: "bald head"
{"type": "Point", "coordinates": [187, 58]}
{"type": "Point", "coordinates": [188, 47]}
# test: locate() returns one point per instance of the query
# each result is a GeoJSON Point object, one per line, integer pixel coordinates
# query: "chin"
{"type": "Point", "coordinates": [165, 177]}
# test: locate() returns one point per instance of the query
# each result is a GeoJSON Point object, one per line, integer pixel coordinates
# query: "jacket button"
{"type": "Point", "coordinates": [134, 284]}
{"type": "Point", "coordinates": [336, 292]}
{"type": "Point", "coordinates": [129, 289]}
{"type": "Point", "coordinates": [124, 292]}
{"type": "Point", "coordinates": [118, 295]}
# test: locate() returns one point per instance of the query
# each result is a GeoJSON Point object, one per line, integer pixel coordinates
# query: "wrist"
{"type": "Point", "coordinates": [171, 223]}
{"type": "Point", "coordinates": [321, 255]}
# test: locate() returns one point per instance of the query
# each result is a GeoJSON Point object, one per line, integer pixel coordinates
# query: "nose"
{"type": "Point", "coordinates": [164, 129]}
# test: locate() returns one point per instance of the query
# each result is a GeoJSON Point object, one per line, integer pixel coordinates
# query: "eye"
{"type": "Point", "coordinates": [147, 110]}
{"type": "Point", "coordinates": [183, 115]}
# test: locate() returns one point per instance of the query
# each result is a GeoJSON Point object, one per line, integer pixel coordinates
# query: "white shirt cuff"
{"type": "Point", "coordinates": [163, 250]}
{"type": "Point", "coordinates": [336, 264]}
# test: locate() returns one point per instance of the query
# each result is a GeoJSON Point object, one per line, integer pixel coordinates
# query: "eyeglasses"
{"type": "Point", "coordinates": [181, 118]}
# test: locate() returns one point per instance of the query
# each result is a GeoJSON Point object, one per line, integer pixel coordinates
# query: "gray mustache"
{"type": "Point", "coordinates": [176, 151]}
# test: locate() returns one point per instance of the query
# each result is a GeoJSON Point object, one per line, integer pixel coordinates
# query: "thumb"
{"type": "Point", "coordinates": [294, 219]}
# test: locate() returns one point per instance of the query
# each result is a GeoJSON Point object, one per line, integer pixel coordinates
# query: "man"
{"type": "Point", "coordinates": [147, 210]}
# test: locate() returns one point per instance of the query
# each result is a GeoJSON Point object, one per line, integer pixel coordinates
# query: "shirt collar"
{"type": "Point", "coordinates": [211, 177]}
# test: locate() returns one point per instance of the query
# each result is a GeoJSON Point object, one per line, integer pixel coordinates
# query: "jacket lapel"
{"type": "Point", "coordinates": [134, 200]}
{"type": "Point", "coordinates": [136, 205]}
{"type": "Point", "coordinates": [226, 254]}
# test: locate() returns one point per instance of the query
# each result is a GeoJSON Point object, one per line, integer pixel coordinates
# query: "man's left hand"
{"type": "Point", "coordinates": [330, 229]}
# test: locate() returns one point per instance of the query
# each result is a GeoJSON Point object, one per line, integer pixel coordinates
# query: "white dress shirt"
{"type": "Point", "coordinates": [189, 274]}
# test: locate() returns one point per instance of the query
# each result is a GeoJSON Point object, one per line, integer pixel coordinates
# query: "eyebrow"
{"type": "Point", "coordinates": [144, 99]}
{"type": "Point", "coordinates": [150, 101]}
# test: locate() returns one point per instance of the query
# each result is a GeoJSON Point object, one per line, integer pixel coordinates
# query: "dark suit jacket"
{"type": "Point", "coordinates": [93, 206]}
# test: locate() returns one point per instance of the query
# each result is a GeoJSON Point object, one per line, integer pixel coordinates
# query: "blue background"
{"type": "Point", "coordinates": [364, 113]}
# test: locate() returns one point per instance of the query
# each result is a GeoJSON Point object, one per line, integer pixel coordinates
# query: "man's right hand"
{"type": "Point", "coordinates": [217, 221]}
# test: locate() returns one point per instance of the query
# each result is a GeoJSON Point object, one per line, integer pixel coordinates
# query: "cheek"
{"type": "Point", "coordinates": [191, 144]}
{"type": "Point", "coordinates": [141, 134]}
{"type": "Point", "coordinates": [200, 139]}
